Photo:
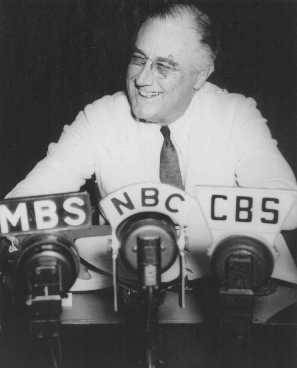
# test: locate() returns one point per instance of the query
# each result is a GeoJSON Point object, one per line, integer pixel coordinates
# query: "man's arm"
{"type": "Point", "coordinates": [259, 162]}
{"type": "Point", "coordinates": [67, 164]}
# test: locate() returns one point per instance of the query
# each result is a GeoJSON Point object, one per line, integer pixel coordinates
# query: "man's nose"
{"type": "Point", "coordinates": [145, 75]}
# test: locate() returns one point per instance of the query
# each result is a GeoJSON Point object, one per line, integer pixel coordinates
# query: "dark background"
{"type": "Point", "coordinates": [58, 55]}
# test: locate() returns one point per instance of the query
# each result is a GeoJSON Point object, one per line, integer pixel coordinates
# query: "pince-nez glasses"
{"type": "Point", "coordinates": [161, 67]}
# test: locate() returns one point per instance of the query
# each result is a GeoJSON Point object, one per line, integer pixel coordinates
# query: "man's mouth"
{"type": "Point", "coordinates": [148, 94]}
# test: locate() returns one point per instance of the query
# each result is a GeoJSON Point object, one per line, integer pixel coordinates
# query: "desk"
{"type": "Point", "coordinates": [96, 307]}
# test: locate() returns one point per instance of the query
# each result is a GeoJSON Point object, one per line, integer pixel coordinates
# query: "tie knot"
{"type": "Point", "coordinates": [165, 132]}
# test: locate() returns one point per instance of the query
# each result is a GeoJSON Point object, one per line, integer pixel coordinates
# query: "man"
{"type": "Point", "coordinates": [219, 138]}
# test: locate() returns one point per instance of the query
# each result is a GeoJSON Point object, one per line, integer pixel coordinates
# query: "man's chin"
{"type": "Point", "coordinates": [145, 117]}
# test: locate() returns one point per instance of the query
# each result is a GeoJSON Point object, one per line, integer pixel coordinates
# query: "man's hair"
{"type": "Point", "coordinates": [205, 27]}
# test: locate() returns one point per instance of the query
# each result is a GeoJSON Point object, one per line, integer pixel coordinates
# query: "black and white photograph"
{"type": "Point", "coordinates": [148, 193]}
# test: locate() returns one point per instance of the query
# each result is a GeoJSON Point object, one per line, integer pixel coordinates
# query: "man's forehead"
{"type": "Point", "coordinates": [161, 37]}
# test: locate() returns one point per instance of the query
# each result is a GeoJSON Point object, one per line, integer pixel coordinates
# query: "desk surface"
{"type": "Point", "coordinates": [90, 308]}
{"type": "Point", "coordinates": [97, 308]}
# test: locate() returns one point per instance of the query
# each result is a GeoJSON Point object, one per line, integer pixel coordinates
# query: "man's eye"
{"type": "Point", "coordinates": [164, 68]}
{"type": "Point", "coordinates": [137, 60]}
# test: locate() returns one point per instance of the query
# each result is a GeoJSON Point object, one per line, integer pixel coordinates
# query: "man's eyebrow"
{"type": "Point", "coordinates": [139, 51]}
{"type": "Point", "coordinates": [168, 61]}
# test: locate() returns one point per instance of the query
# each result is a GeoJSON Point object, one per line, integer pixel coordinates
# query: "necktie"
{"type": "Point", "coordinates": [169, 166]}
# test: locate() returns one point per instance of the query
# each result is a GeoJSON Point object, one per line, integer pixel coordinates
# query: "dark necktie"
{"type": "Point", "coordinates": [169, 166]}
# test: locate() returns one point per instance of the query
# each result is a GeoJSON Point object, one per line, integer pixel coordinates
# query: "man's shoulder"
{"type": "Point", "coordinates": [221, 110]}
{"type": "Point", "coordinates": [222, 106]}
{"type": "Point", "coordinates": [108, 105]}
{"type": "Point", "coordinates": [215, 94]}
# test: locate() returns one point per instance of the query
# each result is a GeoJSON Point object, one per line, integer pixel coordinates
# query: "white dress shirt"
{"type": "Point", "coordinates": [222, 139]}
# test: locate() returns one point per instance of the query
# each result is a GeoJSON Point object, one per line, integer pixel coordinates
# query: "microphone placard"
{"type": "Point", "coordinates": [50, 212]}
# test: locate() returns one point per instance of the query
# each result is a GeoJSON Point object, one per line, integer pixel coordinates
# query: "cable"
{"type": "Point", "coordinates": [55, 348]}
{"type": "Point", "coordinates": [122, 283]}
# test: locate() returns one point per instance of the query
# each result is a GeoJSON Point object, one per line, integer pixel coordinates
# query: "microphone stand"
{"type": "Point", "coordinates": [149, 274]}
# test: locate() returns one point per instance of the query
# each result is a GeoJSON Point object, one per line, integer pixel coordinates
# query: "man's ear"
{"type": "Point", "coordinates": [203, 75]}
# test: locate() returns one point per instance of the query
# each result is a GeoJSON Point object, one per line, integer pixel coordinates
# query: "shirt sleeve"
{"type": "Point", "coordinates": [259, 163]}
{"type": "Point", "coordinates": [68, 163]}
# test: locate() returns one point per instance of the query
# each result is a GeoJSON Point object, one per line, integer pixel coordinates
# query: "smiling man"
{"type": "Point", "coordinates": [214, 137]}
{"type": "Point", "coordinates": [168, 65]}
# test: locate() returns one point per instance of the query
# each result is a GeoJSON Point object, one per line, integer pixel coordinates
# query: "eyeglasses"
{"type": "Point", "coordinates": [162, 68]}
